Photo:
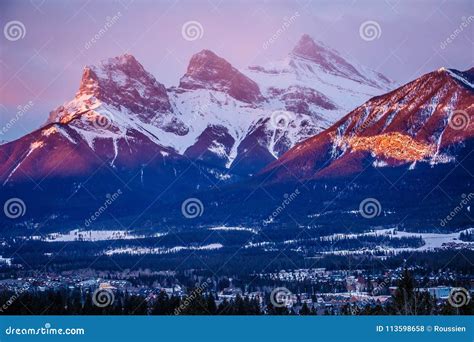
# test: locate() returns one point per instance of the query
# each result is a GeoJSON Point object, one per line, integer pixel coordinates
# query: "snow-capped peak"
{"type": "Point", "coordinates": [306, 47]}
{"type": "Point", "coordinates": [117, 70]}
{"type": "Point", "coordinates": [206, 70]}
{"type": "Point", "coordinates": [217, 114]}
{"type": "Point", "coordinates": [332, 62]}
{"type": "Point", "coordinates": [424, 121]}
{"type": "Point", "coordinates": [122, 83]}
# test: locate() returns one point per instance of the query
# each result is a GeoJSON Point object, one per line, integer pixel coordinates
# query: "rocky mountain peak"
{"type": "Point", "coordinates": [307, 47]}
{"type": "Point", "coordinates": [332, 62]}
{"type": "Point", "coordinates": [121, 82]}
{"type": "Point", "coordinates": [206, 70]}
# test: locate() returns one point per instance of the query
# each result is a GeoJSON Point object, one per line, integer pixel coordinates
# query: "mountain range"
{"type": "Point", "coordinates": [416, 123]}
{"type": "Point", "coordinates": [407, 152]}
{"type": "Point", "coordinates": [312, 119]}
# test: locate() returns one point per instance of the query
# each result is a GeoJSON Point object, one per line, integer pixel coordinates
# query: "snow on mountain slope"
{"type": "Point", "coordinates": [421, 121]}
{"type": "Point", "coordinates": [239, 120]}
{"type": "Point", "coordinates": [121, 82]}
{"type": "Point", "coordinates": [261, 113]}
{"type": "Point", "coordinates": [114, 99]}
{"type": "Point", "coordinates": [120, 120]}
{"type": "Point", "coordinates": [341, 85]}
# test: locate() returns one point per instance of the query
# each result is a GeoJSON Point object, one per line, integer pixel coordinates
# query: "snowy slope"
{"type": "Point", "coordinates": [344, 85]}
{"type": "Point", "coordinates": [239, 120]}
{"type": "Point", "coordinates": [275, 108]}
{"type": "Point", "coordinates": [420, 122]}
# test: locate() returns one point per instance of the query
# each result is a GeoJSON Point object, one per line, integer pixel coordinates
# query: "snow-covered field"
{"type": "Point", "coordinates": [95, 235]}
{"type": "Point", "coordinates": [225, 228]}
{"type": "Point", "coordinates": [432, 241]}
{"type": "Point", "coordinates": [161, 250]}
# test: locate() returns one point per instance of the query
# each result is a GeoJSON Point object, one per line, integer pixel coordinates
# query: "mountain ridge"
{"type": "Point", "coordinates": [413, 118]}
{"type": "Point", "coordinates": [120, 93]}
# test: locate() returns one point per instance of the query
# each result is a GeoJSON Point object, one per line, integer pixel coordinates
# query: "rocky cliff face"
{"type": "Point", "coordinates": [420, 122]}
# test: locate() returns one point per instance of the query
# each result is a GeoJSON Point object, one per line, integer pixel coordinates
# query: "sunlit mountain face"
{"type": "Point", "coordinates": [424, 121]}
{"type": "Point", "coordinates": [313, 119]}
{"type": "Point", "coordinates": [217, 126]}
{"type": "Point", "coordinates": [216, 157]}
{"type": "Point", "coordinates": [124, 129]}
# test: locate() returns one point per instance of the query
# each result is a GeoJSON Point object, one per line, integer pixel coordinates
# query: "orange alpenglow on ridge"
{"type": "Point", "coordinates": [392, 145]}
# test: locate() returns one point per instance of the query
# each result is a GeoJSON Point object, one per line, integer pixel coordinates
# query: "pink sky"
{"type": "Point", "coordinates": [46, 65]}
